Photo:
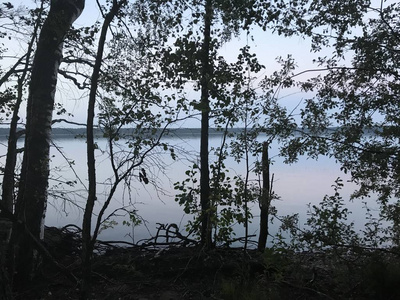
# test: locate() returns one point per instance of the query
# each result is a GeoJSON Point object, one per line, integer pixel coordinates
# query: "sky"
{"type": "Point", "coordinates": [266, 45]}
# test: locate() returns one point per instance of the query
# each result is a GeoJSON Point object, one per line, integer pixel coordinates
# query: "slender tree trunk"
{"type": "Point", "coordinates": [8, 197]}
{"type": "Point", "coordinates": [265, 200]}
{"type": "Point", "coordinates": [205, 115]}
{"type": "Point", "coordinates": [87, 241]}
{"type": "Point", "coordinates": [11, 157]}
{"type": "Point", "coordinates": [246, 183]}
{"type": "Point", "coordinates": [32, 196]}
{"type": "Point", "coordinates": [216, 181]}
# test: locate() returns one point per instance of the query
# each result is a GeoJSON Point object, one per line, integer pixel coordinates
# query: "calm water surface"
{"type": "Point", "coordinates": [298, 184]}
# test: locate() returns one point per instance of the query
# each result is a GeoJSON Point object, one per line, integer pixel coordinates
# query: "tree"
{"type": "Point", "coordinates": [200, 49]}
{"type": "Point", "coordinates": [8, 185]}
{"type": "Point", "coordinates": [228, 95]}
{"type": "Point", "coordinates": [10, 103]}
{"type": "Point", "coordinates": [356, 92]}
{"type": "Point", "coordinates": [87, 241]}
{"type": "Point", "coordinates": [206, 75]}
{"type": "Point", "coordinates": [115, 88]}
{"type": "Point", "coordinates": [32, 194]}
{"type": "Point", "coordinates": [265, 199]}
{"type": "Point", "coordinates": [125, 83]}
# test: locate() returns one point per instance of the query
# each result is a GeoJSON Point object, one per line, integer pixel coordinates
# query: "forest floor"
{"type": "Point", "coordinates": [150, 273]}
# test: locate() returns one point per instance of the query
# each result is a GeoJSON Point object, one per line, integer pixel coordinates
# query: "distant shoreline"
{"type": "Point", "coordinates": [66, 133]}
{"type": "Point", "coordinates": [81, 132]}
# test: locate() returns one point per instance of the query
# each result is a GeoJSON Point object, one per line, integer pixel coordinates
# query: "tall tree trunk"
{"type": "Point", "coordinates": [265, 200]}
{"type": "Point", "coordinates": [32, 196]}
{"type": "Point", "coordinates": [87, 241]}
{"type": "Point", "coordinates": [205, 115]}
{"type": "Point", "coordinates": [7, 200]}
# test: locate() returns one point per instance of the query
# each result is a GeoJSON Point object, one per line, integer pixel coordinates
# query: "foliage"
{"type": "Point", "coordinates": [134, 219]}
{"type": "Point", "coordinates": [227, 203]}
{"type": "Point", "coordinates": [356, 93]}
{"type": "Point", "coordinates": [328, 222]}
{"type": "Point", "coordinates": [234, 100]}
{"type": "Point", "coordinates": [107, 224]}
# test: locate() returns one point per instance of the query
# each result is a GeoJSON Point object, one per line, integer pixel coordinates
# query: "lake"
{"type": "Point", "coordinates": [306, 181]}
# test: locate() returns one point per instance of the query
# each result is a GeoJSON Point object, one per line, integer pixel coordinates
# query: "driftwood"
{"type": "Point", "coordinates": [172, 232]}
{"type": "Point", "coordinates": [65, 241]}
{"type": "Point", "coordinates": [166, 235]}
{"type": "Point", "coordinates": [68, 240]}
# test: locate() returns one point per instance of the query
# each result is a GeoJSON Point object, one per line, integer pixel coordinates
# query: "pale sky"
{"type": "Point", "coordinates": [266, 45]}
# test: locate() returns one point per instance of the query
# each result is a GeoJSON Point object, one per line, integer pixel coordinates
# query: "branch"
{"type": "Point", "coordinates": [69, 164]}
{"type": "Point", "coordinates": [122, 177]}
{"type": "Point", "coordinates": [381, 15]}
{"type": "Point", "coordinates": [68, 122]}
{"type": "Point", "coordinates": [73, 79]}
{"type": "Point", "coordinates": [77, 61]}
{"type": "Point", "coordinates": [335, 68]}
{"type": "Point", "coordinates": [360, 148]}
{"type": "Point", "coordinates": [12, 70]}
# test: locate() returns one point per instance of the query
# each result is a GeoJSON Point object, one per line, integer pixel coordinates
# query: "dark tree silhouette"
{"type": "Point", "coordinates": [32, 195]}
{"type": "Point", "coordinates": [205, 116]}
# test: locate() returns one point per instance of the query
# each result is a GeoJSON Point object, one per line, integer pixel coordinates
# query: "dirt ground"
{"type": "Point", "coordinates": [149, 274]}
{"type": "Point", "coordinates": [189, 272]}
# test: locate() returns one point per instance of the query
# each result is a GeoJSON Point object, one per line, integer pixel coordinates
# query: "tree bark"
{"type": "Point", "coordinates": [265, 200]}
{"type": "Point", "coordinates": [32, 196]}
{"type": "Point", "coordinates": [205, 116]}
